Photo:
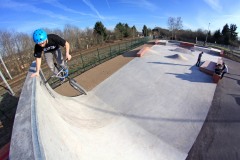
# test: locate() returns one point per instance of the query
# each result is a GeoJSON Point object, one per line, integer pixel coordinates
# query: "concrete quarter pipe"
{"type": "Point", "coordinates": [152, 108]}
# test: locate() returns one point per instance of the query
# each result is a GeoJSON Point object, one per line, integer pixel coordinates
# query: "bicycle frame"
{"type": "Point", "coordinates": [72, 82]}
{"type": "Point", "coordinates": [60, 74]}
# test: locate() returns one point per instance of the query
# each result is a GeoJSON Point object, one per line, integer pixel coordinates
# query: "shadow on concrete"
{"type": "Point", "coordinates": [194, 76]}
{"type": "Point", "coordinates": [161, 119]}
{"type": "Point", "coordinates": [169, 63]}
{"type": "Point", "coordinates": [221, 141]}
{"type": "Point", "coordinates": [131, 53]}
{"type": "Point", "coordinates": [151, 42]}
{"type": "Point", "coordinates": [8, 106]}
{"type": "Point", "coordinates": [231, 78]}
{"type": "Point", "coordinates": [233, 74]}
{"type": "Point", "coordinates": [236, 97]}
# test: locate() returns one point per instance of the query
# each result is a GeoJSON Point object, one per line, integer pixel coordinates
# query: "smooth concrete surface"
{"type": "Point", "coordinates": [22, 144]}
{"type": "Point", "coordinates": [219, 138]}
{"type": "Point", "coordinates": [152, 108]}
{"type": "Point", "coordinates": [169, 97]}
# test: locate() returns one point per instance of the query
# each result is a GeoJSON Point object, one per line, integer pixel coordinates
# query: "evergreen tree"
{"type": "Point", "coordinates": [145, 31]}
{"type": "Point", "coordinates": [119, 30]}
{"type": "Point", "coordinates": [217, 36]}
{"type": "Point", "coordinates": [226, 34]}
{"type": "Point", "coordinates": [134, 31]}
{"type": "Point", "coordinates": [233, 33]}
{"type": "Point", "coordinates": [100, 31]}
{"type": "Point", "coordinates": [127, 30]}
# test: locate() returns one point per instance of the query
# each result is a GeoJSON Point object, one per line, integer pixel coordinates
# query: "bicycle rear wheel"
{"type": "Point", "coordinates": [76, 86]}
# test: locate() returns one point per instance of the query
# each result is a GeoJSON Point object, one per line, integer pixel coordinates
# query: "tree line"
{"type": "Point", "coordinates": [226, 36]}
{"type": "Point", "coordinates": [17, 48]}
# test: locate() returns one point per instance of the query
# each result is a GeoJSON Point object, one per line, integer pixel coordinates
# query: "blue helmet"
{"type": "Point", "coordinates": [39, 36]}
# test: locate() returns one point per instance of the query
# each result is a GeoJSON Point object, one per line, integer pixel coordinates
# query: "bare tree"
{"type": "Point", "coordinates": [89, 37]}
{"type": "Point", "coordinates": [174, 24]}
{"type": "Point", "coordinates": [72, 34]}
{"type": "Point", "coordinates": [171, 25]}
{"type": "Point", "coordinates": [9, 47]}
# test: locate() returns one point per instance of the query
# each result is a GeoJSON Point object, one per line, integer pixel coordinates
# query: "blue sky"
{"type": "Point", "coordinates": [28, 15]}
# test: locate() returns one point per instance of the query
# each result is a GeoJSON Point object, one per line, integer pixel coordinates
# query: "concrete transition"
{"type": "Point", "coordinates": [152, 108]}
{"type": "Point", "coordinates": [178, 56]}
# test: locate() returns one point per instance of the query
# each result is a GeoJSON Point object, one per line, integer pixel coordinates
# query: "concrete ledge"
{"type": "Point", "coordinates": [24, 140]}
{"type": "Point", "coordinates": [222, 53]}
{"type": "Point", "coordinates": [186, 44]}
{"type": "Point", "coordinates": [142, 51]}
{"type": "Point", "coordinates": [208, 67]}
{"type": "Point", "coordinates": [216, 78]}
{"type": "Point", "coordinates": [160, 42]}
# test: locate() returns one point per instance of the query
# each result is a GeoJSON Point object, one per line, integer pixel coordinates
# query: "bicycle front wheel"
{"type": "Point", "coordinates": [76, 86]}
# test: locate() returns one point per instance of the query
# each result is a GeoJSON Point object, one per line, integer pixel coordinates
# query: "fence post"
{"type": "Point", "coordinates": [9, 88]}
{"type": "Point", "coordinates": [99, 60]}
{"type": "Point", "coordinates": [110, 51]}
{"type": "Point", "coordinates": [131, 45]}
{"type": "Point", "coordinates": [82, 61]}
{"type": "Point", "coordinates": [5, 67]}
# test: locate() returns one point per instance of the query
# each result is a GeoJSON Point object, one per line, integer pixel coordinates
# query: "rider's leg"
{"type": "Point", "coordinates": [59, 57]}
{"type": "Point", "coordinates": [49, 59]}
{"type": "Point", "coordinates": [60, 60]}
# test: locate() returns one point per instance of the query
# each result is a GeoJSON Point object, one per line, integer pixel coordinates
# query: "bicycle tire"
{"type": "Point", "coordinates": [76, 86]}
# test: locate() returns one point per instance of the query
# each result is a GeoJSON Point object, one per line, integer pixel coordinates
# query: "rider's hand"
{"type": "Point", "coordinates": [36, 74]}
{"type": "Point", "coordinates": [68, 57]}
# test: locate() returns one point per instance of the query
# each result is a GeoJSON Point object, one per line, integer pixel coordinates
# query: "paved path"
{"type": "Point", "coordinates": [219, 138]}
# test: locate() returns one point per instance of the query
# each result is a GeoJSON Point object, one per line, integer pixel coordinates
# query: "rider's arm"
{"type": "Point", "coordinates": [67, 46]}
{"type": "Point", "coordinates": [38, 66]}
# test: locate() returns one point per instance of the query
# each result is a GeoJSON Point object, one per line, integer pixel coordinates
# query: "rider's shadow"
{"type": "Point", "coordinates": [194, 76]}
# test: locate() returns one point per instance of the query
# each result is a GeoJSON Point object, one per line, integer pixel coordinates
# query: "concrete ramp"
{"type": "Point", "coordinates": [81, 127]}
{"type": "Point", "coordinates": [87, 128]}
{"type": "Point", "coordinates": [152, 108]}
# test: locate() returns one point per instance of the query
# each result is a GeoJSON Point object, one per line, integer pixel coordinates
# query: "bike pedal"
{"type": "Point", "coordinates": [62, 80]}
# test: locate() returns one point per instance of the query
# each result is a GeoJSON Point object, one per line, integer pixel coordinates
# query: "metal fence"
{"type": "Point", "coordinates": [226, 47]}
{"type": "Point", "coordinates": [82, 62]}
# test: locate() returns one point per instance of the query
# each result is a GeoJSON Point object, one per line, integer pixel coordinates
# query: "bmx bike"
{"type": "Point", "coordinates": [62, 75]}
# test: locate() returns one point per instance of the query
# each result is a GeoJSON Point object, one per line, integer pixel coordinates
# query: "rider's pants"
{"type": "Point", "coordinates": [59, 58]}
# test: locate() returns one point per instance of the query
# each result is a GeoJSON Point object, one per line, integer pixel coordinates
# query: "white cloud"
{"type": "Point", "coordinates": [56, 3]}
{"type": "Point", "coordinates": [141, 3]}
{"type": "Point", "coordinates": [214, 4]}
{"type": "Point", "coordinates": [91, 6]}
{"type": "Point", "coordinates": [31, 8]}
{"type": "Point", "coordinates": [107, 3]}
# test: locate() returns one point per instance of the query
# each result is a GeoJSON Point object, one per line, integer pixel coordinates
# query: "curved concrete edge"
{"type": "Point", "coordinates": [24, 141]}
{"type": "Point", "coordinates": [41, 129]}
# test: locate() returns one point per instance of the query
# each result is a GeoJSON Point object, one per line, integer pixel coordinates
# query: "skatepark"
{"type": "Point", "coordinates": [154, 107]}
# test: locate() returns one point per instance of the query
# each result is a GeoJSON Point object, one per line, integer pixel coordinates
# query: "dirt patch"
{"type": "Point", "coordinates": [90, 79]}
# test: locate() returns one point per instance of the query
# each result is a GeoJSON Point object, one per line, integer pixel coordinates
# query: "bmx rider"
{"type": "Point", "coordinates": [49, 44]}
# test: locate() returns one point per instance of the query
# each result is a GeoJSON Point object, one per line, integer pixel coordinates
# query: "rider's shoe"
{"type": "Point", "coordinates": [66, 72]}
{"type": "Point", "coordinates": [62, 79]}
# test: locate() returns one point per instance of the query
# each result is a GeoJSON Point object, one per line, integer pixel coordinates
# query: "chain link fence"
{"type": "Point", "coordinates": [82, 62]}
